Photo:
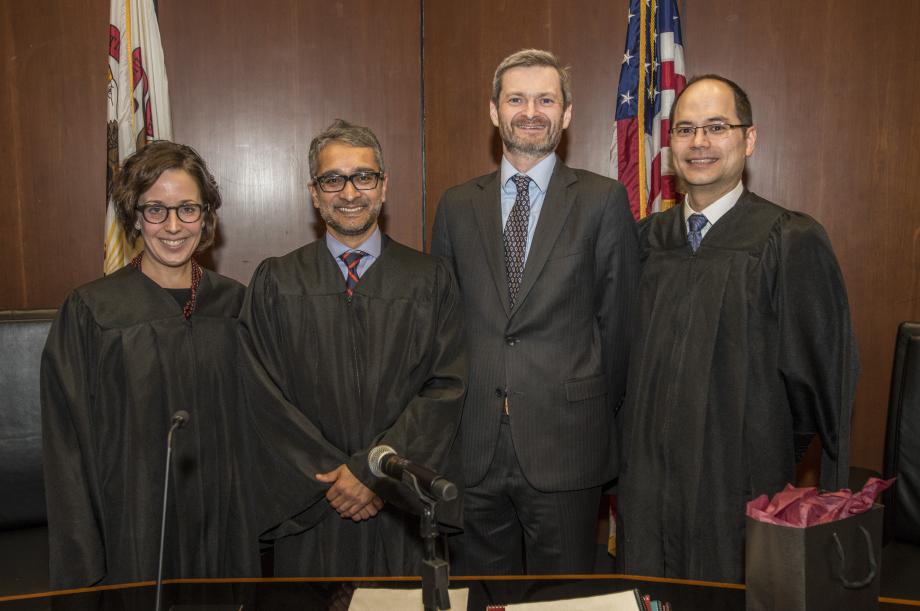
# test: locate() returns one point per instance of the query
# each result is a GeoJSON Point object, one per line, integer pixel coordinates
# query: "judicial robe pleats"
{"type": "Point", "coordinates": [329, 378]}
{"type": "Point", "coordinates": [119, 361]}
{"type": "Point", "coordinates": [744, 349]}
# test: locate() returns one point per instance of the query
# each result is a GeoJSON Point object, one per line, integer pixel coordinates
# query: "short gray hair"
{"type": "Point", "coordinates": [527, 58]}
{"type": "Point", "coordinates": [346, 133]}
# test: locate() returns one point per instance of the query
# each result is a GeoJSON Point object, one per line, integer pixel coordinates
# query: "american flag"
{"type": "Point", "coordinates": [651, 75]}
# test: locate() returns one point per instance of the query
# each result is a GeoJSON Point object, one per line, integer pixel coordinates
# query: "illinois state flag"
{"type": "Point", "coordinates": [138, 104]}
{"type": "Point", "coordinates": [651, 75]}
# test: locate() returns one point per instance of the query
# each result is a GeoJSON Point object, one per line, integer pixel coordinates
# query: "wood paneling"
{"type": "Point", "coordinates": [11, 280]}
{"type": "Point", "coordinates": [52, 192]}
{"type": "Point", "coordinates": [251, 83]}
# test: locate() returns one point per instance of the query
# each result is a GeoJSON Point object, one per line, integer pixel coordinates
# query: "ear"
{"type": "Point", "coordinates": [567, 117]}
{"type": "Point", "coordinates": [383, 189]}
{"type": "Point", "coordinates": [750, 139]}
{"type": "Point", "coordinates": [493, 112]}
{"type": "Point", "coordinates": [314, 195]}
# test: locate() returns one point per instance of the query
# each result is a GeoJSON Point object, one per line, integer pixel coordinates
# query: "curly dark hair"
{"type": "Point", "coordinates": [142, 169]}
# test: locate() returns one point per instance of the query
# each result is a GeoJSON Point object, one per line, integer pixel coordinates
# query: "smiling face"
{"type": "Point", "coordinates": [529, 114]}
{"type": "Point", "coordinates": [169, 246]}
{"type": "Point", "coordinates": [350, 215]}
{"type": "Point", "coordinates": [710, 166]}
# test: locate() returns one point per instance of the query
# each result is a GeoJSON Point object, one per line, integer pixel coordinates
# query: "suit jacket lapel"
{"type": "Point", "coordinates": [488, 211]}
{"type": "Point", "coordinates": [556, 206]}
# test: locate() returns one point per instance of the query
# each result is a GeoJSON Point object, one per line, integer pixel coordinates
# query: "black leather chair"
{"type": "Point", "coordinates": [23, 522]}
{"type": "Point", "coordinates": [901, 556]}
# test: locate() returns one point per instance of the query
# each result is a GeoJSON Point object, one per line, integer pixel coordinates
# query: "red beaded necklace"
{"type": "Point", "coordinates": [189, 308]}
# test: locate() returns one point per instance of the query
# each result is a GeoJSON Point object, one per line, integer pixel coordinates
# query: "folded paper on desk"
{"type": "Point", "coordinates": [386, 599]}
{"type": "Point", "coordinates": [814, 552]}
{"type": "Point", "coordinates": [619, 601]}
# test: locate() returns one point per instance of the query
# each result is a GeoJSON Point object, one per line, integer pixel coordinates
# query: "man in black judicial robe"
{"type": "Point", "coordinates": [345, 355]}
{"type": "Point", "coordinates": [744, 353]}
{"type": "Point", "coordinates": [119, 361]}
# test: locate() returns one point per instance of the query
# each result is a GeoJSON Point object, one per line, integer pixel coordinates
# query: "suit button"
{"type": "Point", "coordinates": [499, 393]}
{"type": "Point", "coordinates": [511, 340]}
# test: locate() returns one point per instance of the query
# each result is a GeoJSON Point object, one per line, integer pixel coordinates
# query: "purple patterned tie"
{"type": "Point", "coordinates": [516, 236]}
{"type": "Point", "coordinates": [696, 222]}
{"type": "Point", "coordinates": [351, 259]}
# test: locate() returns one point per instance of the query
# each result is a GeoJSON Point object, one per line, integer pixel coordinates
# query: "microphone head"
{"type": "Point", "coordinates": [375, 459]}
{"type": "Point", "coordinates": [444, 489]}
{"type": "Point", "coordinates": [180, 418]}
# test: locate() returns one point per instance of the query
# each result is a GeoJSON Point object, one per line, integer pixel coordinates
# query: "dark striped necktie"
{"type": "Point", "coordinates": [515, 236]}
{"type": "Point", "coordinates": [351, 260]}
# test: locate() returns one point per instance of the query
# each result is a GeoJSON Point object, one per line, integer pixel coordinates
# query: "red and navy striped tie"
{"type": "Point", "coordinates": [351, 259]}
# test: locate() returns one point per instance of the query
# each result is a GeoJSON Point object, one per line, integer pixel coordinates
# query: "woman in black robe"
{"type": "Point", "coordinates": [126, 352]}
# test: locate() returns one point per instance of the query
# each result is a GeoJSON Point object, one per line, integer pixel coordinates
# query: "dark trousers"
{"type": "Point", "coordinates": [512, 528]}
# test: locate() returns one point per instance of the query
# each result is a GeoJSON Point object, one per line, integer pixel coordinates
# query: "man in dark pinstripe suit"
{"type": "Point", "coordinates": [547, 261]}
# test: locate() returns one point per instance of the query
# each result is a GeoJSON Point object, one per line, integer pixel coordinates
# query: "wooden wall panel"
{"type": "Point", "coordinates": [53, 186]}
{"type": "Point", "coordinates": [252, 83]}
{"type": "Point", "coordinates": [11, 280]}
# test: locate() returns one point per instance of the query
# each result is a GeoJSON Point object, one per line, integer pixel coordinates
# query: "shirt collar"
{"type": "Point", "coordinates": [540, 173]}
{"type": "Point", "coordinates": [372, 245]}
{"type": "Point", "coordinates": [717, 209]}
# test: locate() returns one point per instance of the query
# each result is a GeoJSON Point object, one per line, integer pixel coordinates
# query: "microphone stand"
{"type": "Point", "coordinates": [435, 569]}
{"type": "Point", "coordinates": [178, 421]}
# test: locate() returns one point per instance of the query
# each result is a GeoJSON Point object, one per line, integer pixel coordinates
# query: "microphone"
{"type": "Point", "coordinates": [179, 419]}
{"type": "Point", "coordinates": [384, 461]}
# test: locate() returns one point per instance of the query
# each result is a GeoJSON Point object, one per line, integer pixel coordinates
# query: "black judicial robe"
{"type": "Point", "coordinates": [744, 352]}
{"type": "Point", "coordinates": [330, 378]}
{"type": "Point", "coordinates": [119, 361]}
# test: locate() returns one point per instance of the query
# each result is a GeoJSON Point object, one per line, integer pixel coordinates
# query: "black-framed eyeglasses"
{"type": "Point", "coordinates": [362, 181]}
{"type": "Point", "coordinates": [713, 130]}
{"type": "Point", "coordinates": [158, 213]}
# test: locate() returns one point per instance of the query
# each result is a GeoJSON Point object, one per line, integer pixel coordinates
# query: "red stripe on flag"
{"type": "Point", "coordinates": [628, 162]}
{"type": "Point", "coordinates": [655, 187]}
{"type": "Point", "coordinates": [671, 79]}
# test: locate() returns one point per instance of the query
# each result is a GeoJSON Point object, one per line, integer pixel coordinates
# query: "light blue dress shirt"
{"type": "Point", "coordinates": [371, 246]}
{"type": "Point", "coordinates": [539, 182]}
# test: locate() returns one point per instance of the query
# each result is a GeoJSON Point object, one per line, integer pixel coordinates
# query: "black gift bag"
{"type": "Point", "coordinates": [828, 567]}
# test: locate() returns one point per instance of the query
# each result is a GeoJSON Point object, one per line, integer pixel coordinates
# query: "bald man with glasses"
{"type": "Point", "coordinates": [744, 353]}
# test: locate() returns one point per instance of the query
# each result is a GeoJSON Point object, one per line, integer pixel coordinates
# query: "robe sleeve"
{"type": "Point", "coordinates": [285, 450]}
{"type": "Point", "coordinates": [76, 545]}
{"type": "Point", "coordinates": [818, 357]}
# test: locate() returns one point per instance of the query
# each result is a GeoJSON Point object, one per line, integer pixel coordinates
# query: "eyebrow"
{"type": "Point", "coordinates": [542, 94]}
{"type": "Point", "coordinates": [339, 172]}
{"type": "Point", "coordinates": [707, 121]}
